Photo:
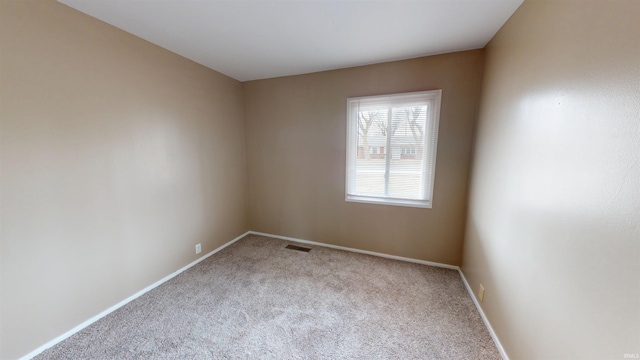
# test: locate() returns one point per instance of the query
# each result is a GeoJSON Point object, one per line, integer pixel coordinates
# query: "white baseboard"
{"type": "Point", "coordinates": [484, 317]}
{"type": "Point", "coordinates": [394, 257]}
{"type": "Point", "coordinates": [125, 301]}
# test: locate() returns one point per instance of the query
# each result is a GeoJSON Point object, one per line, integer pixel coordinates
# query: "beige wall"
{"type": "Point", "coordinates": [117, 158]}
{"type": "Point", "coordinates": [295, 133]}
{"type": "Point", "coordinates": [553, 230]}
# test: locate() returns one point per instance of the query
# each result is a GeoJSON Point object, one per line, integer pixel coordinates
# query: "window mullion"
{"type": "Point", "coordinates": [388, 154]}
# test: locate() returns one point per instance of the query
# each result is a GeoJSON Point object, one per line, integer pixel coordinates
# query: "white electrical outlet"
{"type": "Point", "coordinates": [481, 293]}
{"type": "Point", "coordinates": [198, 248]}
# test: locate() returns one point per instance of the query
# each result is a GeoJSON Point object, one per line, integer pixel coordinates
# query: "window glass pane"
{"type": "Point", "coordinates": [370, 164]}
{"type": "Point", "coordinates": [407, 138]}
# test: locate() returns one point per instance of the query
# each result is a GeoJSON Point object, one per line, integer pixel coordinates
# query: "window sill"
{"type": "Point", "coordinates": [389, 201]}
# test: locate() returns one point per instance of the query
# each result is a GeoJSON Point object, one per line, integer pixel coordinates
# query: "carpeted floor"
{"type": "Point", "coordinates": [256, 299]}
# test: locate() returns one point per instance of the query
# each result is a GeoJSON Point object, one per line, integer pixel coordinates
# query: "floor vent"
{"type": "Point", "coordinates": [299, 248]}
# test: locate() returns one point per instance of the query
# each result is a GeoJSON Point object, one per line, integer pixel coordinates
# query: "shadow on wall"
{"type": "Point", "coordinates": [495, 299]}
{"type": "Point", "coordinates": [569, 283]}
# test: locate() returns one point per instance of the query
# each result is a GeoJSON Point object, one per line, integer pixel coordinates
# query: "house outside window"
{"type": "Point", "coordinates": [405, 126]}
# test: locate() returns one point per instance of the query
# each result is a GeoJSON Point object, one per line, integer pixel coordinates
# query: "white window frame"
{"type": "Point", "coordinates": [430, 98]}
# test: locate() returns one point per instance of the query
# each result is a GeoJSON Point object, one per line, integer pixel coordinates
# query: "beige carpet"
{"type": "Point", "coordinates": [256, 299]}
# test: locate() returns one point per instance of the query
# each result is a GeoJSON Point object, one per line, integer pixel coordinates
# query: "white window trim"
{"type": "Point", "coordinates": [430, 148]}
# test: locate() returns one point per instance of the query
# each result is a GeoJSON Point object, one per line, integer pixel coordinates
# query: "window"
{"type": "Point", "coordinates": [408, 151]}
{"type": "Point", "coordinates": [407, 126]}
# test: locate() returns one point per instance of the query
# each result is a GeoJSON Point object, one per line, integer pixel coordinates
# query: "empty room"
{"type": "Point", "coordinates": [320, 179]}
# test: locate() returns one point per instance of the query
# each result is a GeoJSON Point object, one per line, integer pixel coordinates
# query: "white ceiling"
{"type": "Point", "coordinates": [258, 39]}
